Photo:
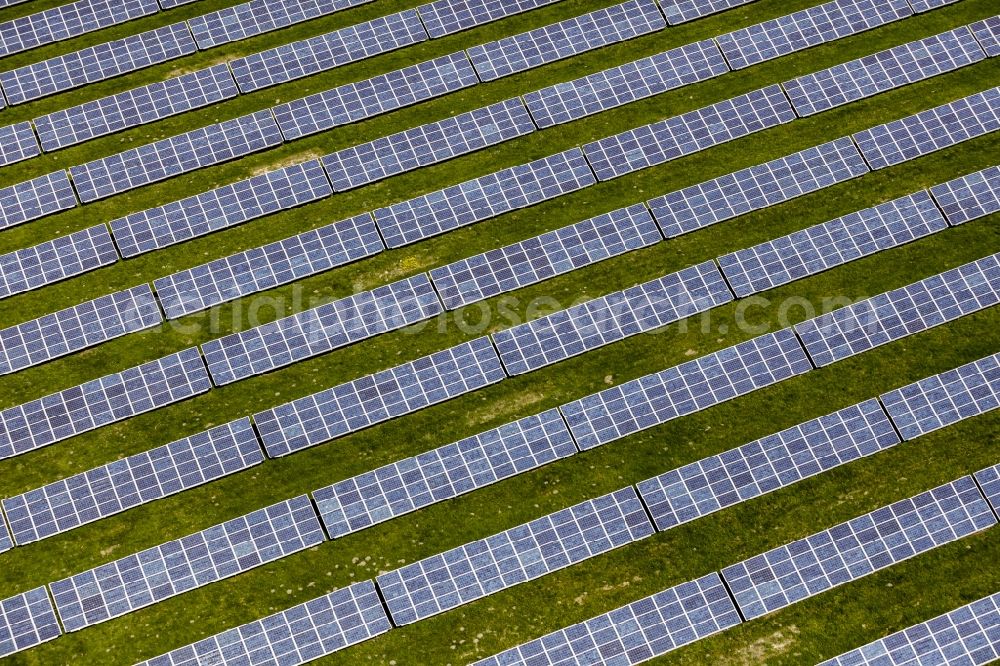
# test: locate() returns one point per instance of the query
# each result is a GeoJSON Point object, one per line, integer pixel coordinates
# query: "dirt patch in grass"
{"type": "Point", "coordinates": [762, 650]}
{"type": "Point", "coordinates": [504, 408]}
{"type": "Point", "coordinates": [297, 158]}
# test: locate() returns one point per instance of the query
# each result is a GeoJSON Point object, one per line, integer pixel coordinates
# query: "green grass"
{"type": "Point", "coordinates": [820, 627]}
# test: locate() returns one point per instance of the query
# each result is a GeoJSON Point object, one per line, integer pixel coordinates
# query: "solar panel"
{"type": "Point", "coordinates": [688, 133]}
{"type": "Point", "coordinates": [928, 131]}
{"type": "Point", "coordinates": [987, 32]}
{"type": "Point", "coordinates": [96, 63]}
{"type": "Point", "coordinates": [380, 94]}
{"type": "Point", "coordinates": [294, 636]}
{"type": "Point", "coordinates": [265, 267]}
{"type": "Point", "coordinates": [133, 481]}
{"type": "Point", "coordinates": [27, 620]}
{"type": "Point", "coordinates": [526, 552]}
{"type": "Point", "coordinates": [682, 11]}
{"type": "Point", "coordinates": [989, 482]}
{"type": "Point", "coordinates": [767, 464]}
{"type": "Point", "coordinates": [135, 107]}
{"type": "Point", "coordinates": [256, 17]}
{"type": "Point", "coordinates": [941, 400]}
{"type": "Point", "coordinates": [807, 28]}
{"type": "Point", "coordinates": [427, 144]}
{"type": "Point", "coordinates": [446, 17]}
{"type": "Point", "coordinates": [927, 5]}
{"type": "Point", "coordinates": [832, 243]}
{"type": "Point", "coordinates": [172, 568]}
{"type": "Point", "coordinates": [966, 635]}
{"type": "Point", "coordinates": [586, 32]}
{"type": "Point", "coordinates": [176, 155]}
{"type": "Point", "coordinates": [170, 4]}
{"type": "Point", "coordinates": [220, 208]}
{"type": "Point", "coordinates": [899, 313]}
{"type": "Point", "coordinates": [35, 198]}
{"type": "Point", "coordinates": [5, 540]}
{"type": "Point", "coordinates": [611, 318]}
{"type": "Point", "coordinates": [632, 634]}
{"type": "Point", "coordinates": [413, 483]}
{"type": "Point", "coordinates": [78, 327]}
{"type": "Point", "coordinates": [858, 547]}
{"type": "Point", "coordinates": [54, 260]}
{"type": "Point", "coordinates": [320, 330]}
{"type": "Point", "coordinates": [17, 142]}
{"type": "Point", "coordinates": [684, 389]}
{"type": "Point", "coordinates": [626, 83]}
{"type": "Point", "coordinates": [10, 3]}
{"type": "Point", "coordinates": [757, 187]}
{"type": "Point", "coordinates": [318, 54]}
{"type": "Point", "coordinates": [969, 197]}
{"type": "Point", "coordinates": [885, 70]}
{"type": "Point", "coordinates": [545, 256]}
{"type": "Point", "coordinates": [379, 397]}
{"type": "Point", "coordinates": [482, 198]}
{"type": "Point", "coordinates": [102, 401]}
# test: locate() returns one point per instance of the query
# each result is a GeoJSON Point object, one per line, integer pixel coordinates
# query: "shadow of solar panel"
{"type": "Point", "coordinates": [135, 107]}
{"type": "Point", "coordinates": [36, 198]}
{"type": "Point", "coordinates": [482, 198]}
{"type": "Point", "coordinates": [941, 400]}
{"type": "Point", "coordinates": [364, 99]}
{"type": "Point", "coordinates": [807, 28]}
{"type": "Point", "coordinates": [17, 142]}
{"type": "Point", "coordinates": [989, 482]}
{"type": "Point", "coordinates": [172, 568]}
{"type": "Point", "coordinates": [987, 32]}
{"type": "Point", "coordinates": [96, 403]}
{"type": "Point", "coordinates": [684, 389]}
{"type": "Point", "coordinates": [626, 83]}
{"type": "Point", "coordinates": [689, 133]}
{"type": "Point", "coordinates": [528, 50]}
{"type": "Point", "coordinates": [545, 256]}
{"type": "Point", "coordinates": [927, 5]}
{"type": "Point", "coordinates": [969, 197]}
{"type": "Point", "coordinates": [526, 552]}
{"type": "Point", "coordinates": [256, 17]}
{"type": "Point", "coordinates": [446, 17]}
{"type": "Point", "coordinates": [27, 620]}
{"type": "Point", "coordinates": [96, 63]}
{"type": "Point", "coordinates": [133, 481]}
{"type": "Point", "coordinates": [384, 395]}
{"type": "Point", "coordinates": [294, 636]}
{"type": "Point", "coordinates": [614, 317]}
{"type": "Point", "coordinates": [265, 267]}
{"type": "Point", "coordinates": [902, 312]}
{"type": "Point", "coordinates": [220, 208]}
{"type": "Point", "coordinates": [767, 464]}
{"type": "Point", "coordinates": [427, 144]}
{"type": "Point", "coordinates": [682, 11]}
{"type": "Point", "coordinates": [858, 547]}
{"type": "Point", "coordinates": [318, 54]}
{"type": "Point", "coordinates": [5, 541]}
{"type": "Point", "coordinates": [55, 260]}
{"type": "Point", "coordinates": [632, 634]}
{"type": "Point", "coordinates": [374, 497]}
{"type": "Point", "coordinates": [757, 187]}
{"type": "Point", "coordinates": [832, 243]}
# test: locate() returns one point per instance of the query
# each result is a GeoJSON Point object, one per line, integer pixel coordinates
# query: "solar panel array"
{"type": "Point", "coordinates": [133, 481]}
{"type": "Point", "coordinates": [256, 17]}
{"type": "Point", "coordinates": [150, 576]}
{"type": "Point", "coordinates": [265, 267]}
{"type": "Point", "coordinates": [614, 317]}
{"type": "Point", "coordinates": [689, 133]}
{"type": "Point", "coordinates": [57, 259]}
{"type": "Point", "coordinates": [10, 3]}
{"type": "Point", "coordinates": [18, 142]}
{"type": "Point", "coordinates": [757, 187]}
{"type": "Point", "coordinates": [969, 197]}
{"type": "Point", "coordinates": [369, 400]}
{"type": "Point", "coordinates": [566, 38]}
{"type": "Point", "coordinates": [27, 620]}
{"type": "Point", "coordinates": [35, 198]}
{"type": "Point", "coordinates": [684, 389]}
{"type": "Point", "coordinates": [170, 4]}
{"type": "Point", "coordinates": [545, 256]}
{"type": "Point", "coordinates": [404, 486]}
{"type": "Point", "coordinates": [832, 243]}
{"type": "Point", "coordinates": [68, 21]}
{"type": "Point", "coordinates": [927, 5]}
{"type": "Point", "coordinates": [427, 144]}
{"type": "Point", "coordinates": [682, 11]}
{"type": "Point", "coordinates": [858, 547]}
{"type": "Point", "coordinates": [902, 312]}
{"type": "Point", "coordinates": [102, 401]}
{"type": "Point", "coordinates": [767, 464]}
{"type": "Point", "coordinates": [5, 540]}
{"type": "Point", "coordinates": [989, 482]}
{"type": "Point", "coordinates": [481, 568]}
{"type": "Point", "coordinates": [445, 17]}
{"type": "Point", "coordinates": [987, 32]}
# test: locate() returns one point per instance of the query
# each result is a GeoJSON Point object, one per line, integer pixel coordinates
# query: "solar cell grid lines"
{"type": "Point", "coordinates": [969, 197]}
{"type": "Point", "coordinates": [989, 482]}
{"type": "Point", "coordinates": [445, 17]}
{"type": "Point", "coordinates": [27, 620]}
{"type": "Point", "coordinates": [150, 576]}
{"type": "Point", "coordinates": [443, 473]}
{"type": "Point", "coordinates": [858, 547]}
{"type": "Point", "coordinates": [545, 256]}
{"type": "Point", "coordinates": [265, 267]}
{"type": "Point", "coordinates": [567, 38]}
{"type": "Point", "coordinates": [688, 133]}
{"type": "Point", "coordinates": [481, 198]}
{"type": "Point", "coordinates": [614, 317]}
{"type": "Point", "coordinates": [57, 259]}
{"type": "Point", "coordinates": [17, 142]}
{"type": "Point", "coordinates": [481, 568]}
{"type": "Point", "coordinates": [5, 541]}
{"type": "Point", "coordinates": [36, 198]}
{"type": "Point", "coordinates": [832, 243]}
{"type": "Point", "coordinates": [682, 11]}
{"type": "Point", "coordinates": [364, 99]}
{"type": "Point", "coordinates": [170, 4]}
{"type": "Point", "coordinates": [10, 3]}
{"type": "Point", "coordinates": [927, 5]}
{"type": "Point", "coordinates": [987, 32]}
{"type": "Point", "coordinates": [384, 395]}
{"type": "Point", "coordinates": [256, 17]}
{"type": "Point", "coordinates": [428, 144]}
